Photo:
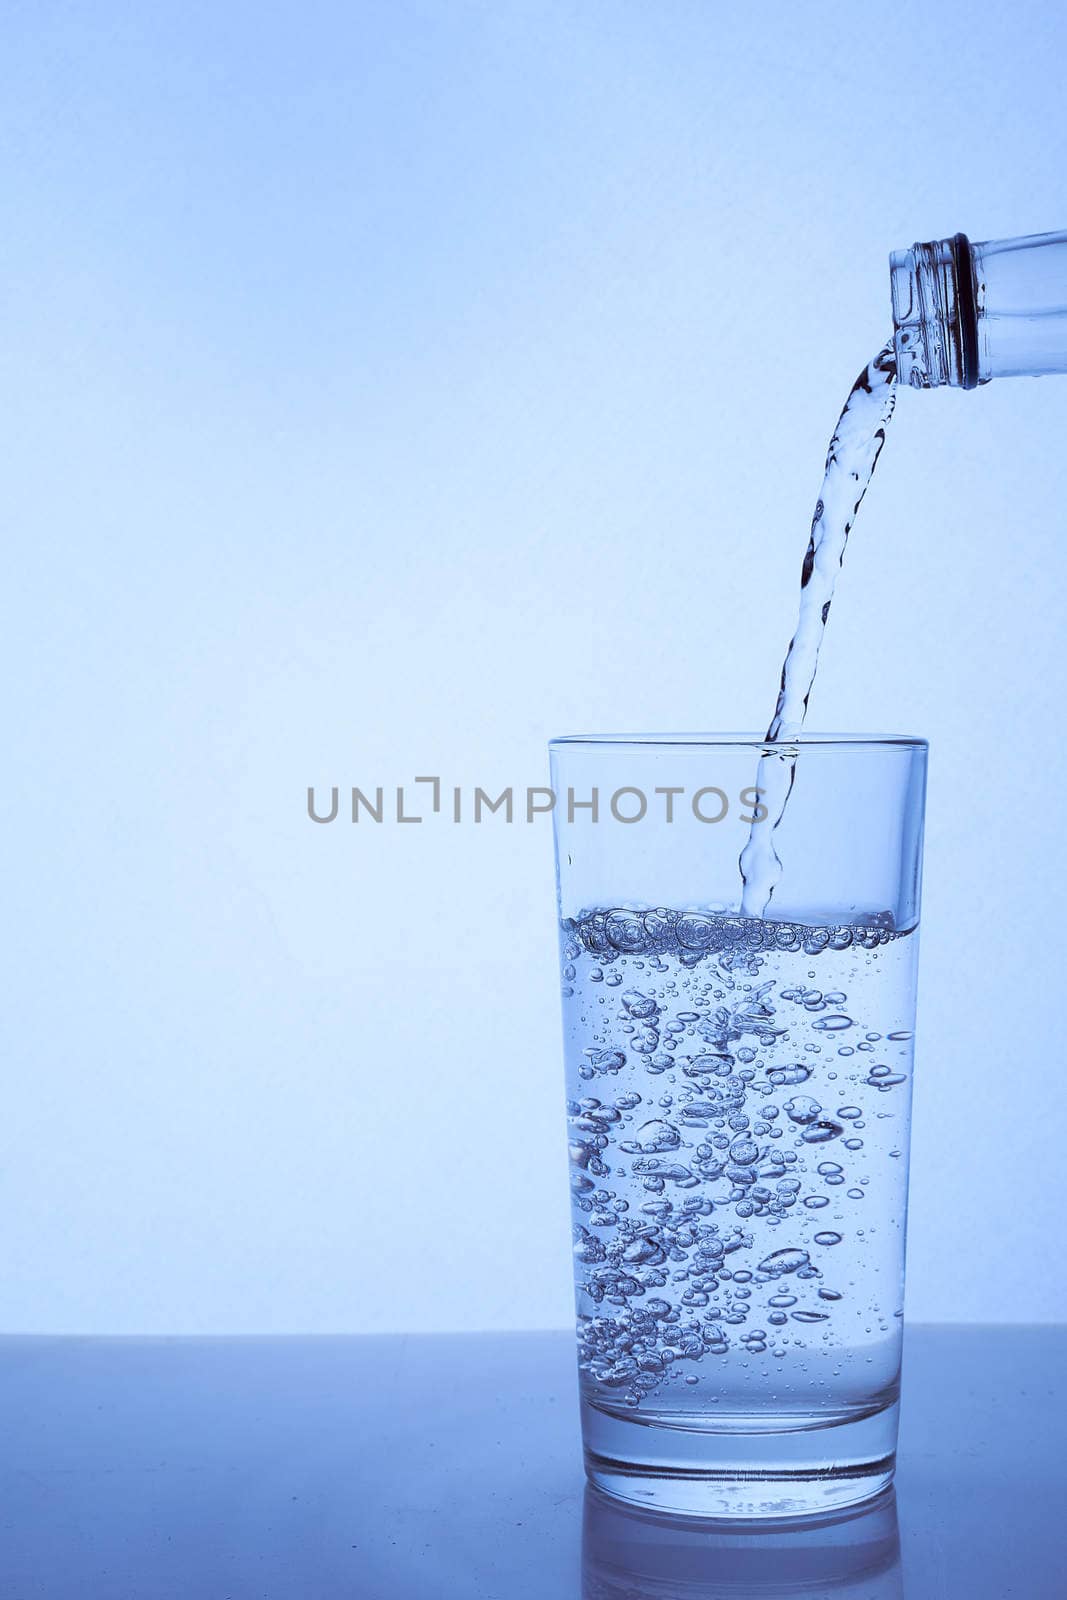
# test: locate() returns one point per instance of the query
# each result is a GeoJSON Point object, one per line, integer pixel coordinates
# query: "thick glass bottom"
{"type": "Point", "coordinates": [742, 1474]}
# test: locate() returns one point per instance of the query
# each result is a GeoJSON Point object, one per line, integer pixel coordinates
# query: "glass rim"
{"type": "Point", "coordinates": [738, 741]}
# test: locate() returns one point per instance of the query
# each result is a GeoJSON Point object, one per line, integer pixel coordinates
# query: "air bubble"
{"type": "Point", "coordinates": [625, 930]}
{"type": "Point", "coordinates": [704, 1065]}
{"type": "Point", "coordinates": [652, 1137]}
{"type": "Point", "coordinates": [797, 1073]}
{"type": "Point", "coordinates": [781, 1261]}
{"type": "Point", "coordinates": [821, 1132]}
{"type": "Point", "coordinates": [802, 1108]}
{"type": "Point", "coordinates": [694, 931]}
{"type": "Point", "coordinates": [607, 1060]}
{"type": "Point", "coordinates": [639, 1005]}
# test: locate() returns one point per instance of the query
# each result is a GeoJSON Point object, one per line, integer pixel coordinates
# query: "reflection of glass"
{"type": "Point", "coordinates": [739, 1092]}
{"type": "Point", "coordinates": [631, 1554]}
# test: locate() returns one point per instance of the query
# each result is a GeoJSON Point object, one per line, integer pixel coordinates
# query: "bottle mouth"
{"type": "Point", "coordinates": [935, 314]}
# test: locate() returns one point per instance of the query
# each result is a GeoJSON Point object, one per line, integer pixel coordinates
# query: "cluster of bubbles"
{"type": "Point", "coordinates": [690, 936]}
{"type": "Point", "coordinates": [705, 1164]}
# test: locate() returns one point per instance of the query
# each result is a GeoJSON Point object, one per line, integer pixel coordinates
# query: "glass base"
{"type": "Point", "coordinates": [742, 1474]}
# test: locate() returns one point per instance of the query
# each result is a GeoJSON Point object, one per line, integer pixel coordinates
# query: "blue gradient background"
{"type": "Point", "coordinates": [388, 387]}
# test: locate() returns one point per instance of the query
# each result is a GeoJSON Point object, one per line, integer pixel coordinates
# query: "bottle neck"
{"type": "Point", "coordinates": [935, 314]}
{"type": "Point", "coordinates": [965, 313]}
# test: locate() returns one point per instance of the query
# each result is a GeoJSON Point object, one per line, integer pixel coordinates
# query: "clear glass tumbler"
{"type": "Point", "coordinates": [738, 1095]}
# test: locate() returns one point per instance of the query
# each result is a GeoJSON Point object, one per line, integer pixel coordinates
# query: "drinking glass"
{"type": "Point", "coordinates": [738, 1097]}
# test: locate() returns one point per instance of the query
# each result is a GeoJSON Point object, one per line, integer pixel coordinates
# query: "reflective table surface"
{"type": "Point", "coordinates": [449, 1466]}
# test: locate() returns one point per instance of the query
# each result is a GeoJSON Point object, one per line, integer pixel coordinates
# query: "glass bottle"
{"type": "Point", "coordinates": [964, 313]}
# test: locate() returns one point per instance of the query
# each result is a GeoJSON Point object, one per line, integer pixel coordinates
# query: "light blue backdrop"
{"type": "Point", "coordinates": [388, 387]}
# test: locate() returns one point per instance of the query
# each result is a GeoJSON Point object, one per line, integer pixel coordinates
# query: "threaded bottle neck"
{"type": "Point", "coordinates": [935, 317]}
